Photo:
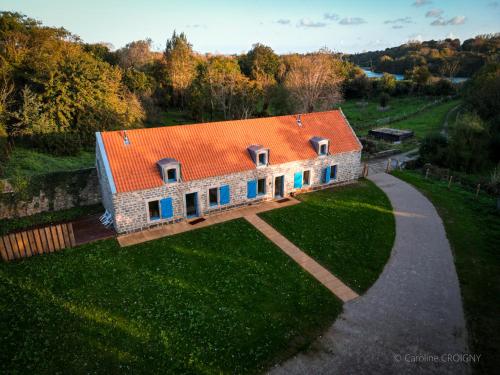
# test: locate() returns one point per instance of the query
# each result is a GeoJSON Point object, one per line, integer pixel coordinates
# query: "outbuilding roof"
{"type": "Point", "coordinates": [220, 148]}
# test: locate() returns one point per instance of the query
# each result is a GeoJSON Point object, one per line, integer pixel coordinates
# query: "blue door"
{"type": "Point", "coordinates": [167, 210]}
{"type": "Point", "coordinates": [191, 205]}
{"type": "Point", "coordinates": [297, 180]}
{"type": "Point", "coordinates": [224, 194]}
{"type": "Point", "coordinates": [251, 189]}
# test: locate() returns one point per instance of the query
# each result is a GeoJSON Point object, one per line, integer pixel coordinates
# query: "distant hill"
{"type": "Point", "coordinates": [443, 58]}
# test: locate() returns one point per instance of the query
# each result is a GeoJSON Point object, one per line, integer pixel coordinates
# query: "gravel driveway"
{"type": "Point", "coordinates": [411, 321]}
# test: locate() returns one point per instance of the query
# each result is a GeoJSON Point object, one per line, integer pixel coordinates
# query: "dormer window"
{"type": "Point", "coordinates": [169, 170]}
{"type": "Point", "coordinates": [262, 158]}
{"type": "Point", "coordinates": [322, 149]}
{"type": "Point", "coordinates": [259, 155]}
{"type": "Point", "coordinates": [320, 145]}
{"type": "Point", "coordinates": [172, 175]}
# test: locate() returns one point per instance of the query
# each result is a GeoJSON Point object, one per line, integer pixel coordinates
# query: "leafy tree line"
{"type": "Point", "coordinates": [54, 87]}
{"type": "Point", "coordinates": [474, 142]}
{"type": "Point", "coordinates": [444, 58]}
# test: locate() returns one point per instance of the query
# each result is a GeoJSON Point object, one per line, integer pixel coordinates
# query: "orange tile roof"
{"type": "Point", "coordinates": [220, 148]}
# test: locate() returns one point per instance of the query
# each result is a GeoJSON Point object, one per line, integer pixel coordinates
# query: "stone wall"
{"type": "Point", "coordinates": [50, 192]}
{"type": "Point", "coordinates": [131, 208]}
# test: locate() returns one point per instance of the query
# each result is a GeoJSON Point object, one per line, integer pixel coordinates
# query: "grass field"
{"type": "Point", "coordinates": [24, 162]}
{"type": "Point", "coordinates": [363, 118]}
{"type": "Point", "coordinates": [349, 230]}
{"type": "Point", "coordinates": [428, 121]}
{"type": "Point", "coordinates": [218, 300]}
{"type": "Point", "coordinates": [473, 229]}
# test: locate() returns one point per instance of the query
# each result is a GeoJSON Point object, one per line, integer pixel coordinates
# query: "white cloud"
{"type": "Point", "coordinates": [450, 35]}
{"type": "Point", "coordinates": [283, 21]}
{"type": "Point", "coordinates": [399, 20]}
{"type": "Point", "coordinates": [331, 16]}
{"type": "Point", "coordinates": [419, 3]}
{"type": "Point", "coordinates": [352, 21]}
{"type": "Point", "coordinates": [397, 26]}
{"type": "Point", "coordinates": [306, 22]}
{"type": "Point", "coordinates": [457, 20]}
{"type": "Point", "coordinates": [434, 13]}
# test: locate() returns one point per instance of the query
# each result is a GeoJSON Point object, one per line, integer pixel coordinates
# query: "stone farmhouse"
{"type": "Point", "coordinates": [164, 175]}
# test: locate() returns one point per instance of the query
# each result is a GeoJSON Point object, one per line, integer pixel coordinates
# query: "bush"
{"type": "Point", "coordinates": [434, 149]}
{"type": "Point", "coordinates": [58, 144]}
{"type": "Point", "coordinates": [384, 99]}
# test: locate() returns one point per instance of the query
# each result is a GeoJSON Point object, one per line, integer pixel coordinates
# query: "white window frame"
{"type": "Point", "coordinates": [211, 206]}
{"type": "Point", "coordinates": [266, 162]}
{"type": "Point", "coordinates": [257, 194]}
{"type": "Point", "coordinates": [159, 210]}
{"type": "Point", "coordinates": [320, 145]}
{"type": "Point", "coordinates": [310, 177]}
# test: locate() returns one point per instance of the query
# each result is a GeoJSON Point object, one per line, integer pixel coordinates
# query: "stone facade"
{"type": "Point", "coordinates": [130, 209]}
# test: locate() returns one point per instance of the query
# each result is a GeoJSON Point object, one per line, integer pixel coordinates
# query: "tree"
{"type": "Point", "coordinates": [384, 99]}
{"type": "Point", "coordinates": [434, 149]}
{"type": "Point", "coordinates": [469, 143]}
{"type": "Point", "coordinates": [262, 65]}
{"type": "Point", "coordinates": [57, 85]}
{"type": "Point", "coordinates": [220, 87]}
{"type": "Point", "coordinates": [388, 83]}
{"type": "Point", "coordinates": [181, 66]}
{"type": "Point", "coordinates": [136, 54]}
{"type": "Point", "coordinates": [314, 81]}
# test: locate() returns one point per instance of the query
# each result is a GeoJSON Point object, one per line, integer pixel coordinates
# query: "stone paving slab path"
{"type": "Point", "coordinates": [184, 226]}
{"type": "Point", "coordinates": [412, 318]}
{"type": "Point", "coordinates": [337, 287]}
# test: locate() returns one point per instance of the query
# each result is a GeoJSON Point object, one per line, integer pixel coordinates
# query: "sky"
{"type": "Point", "coordinates": [233, 26]}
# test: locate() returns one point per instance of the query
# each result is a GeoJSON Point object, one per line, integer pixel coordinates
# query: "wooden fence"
{"type": "Point", "coordinates": [36, 241]}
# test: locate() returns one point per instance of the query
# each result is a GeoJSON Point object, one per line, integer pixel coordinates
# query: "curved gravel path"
{"type": "Point", "coordinates": [411, 318]}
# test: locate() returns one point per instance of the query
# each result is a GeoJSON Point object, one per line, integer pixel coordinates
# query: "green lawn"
{"type": "Point", "coordinates": [349, 230]}
{"type": "Point", "coordinates": [363, 118]}
{"type": "Point", "coordinates": [45, 218]}
{"type": "Point", "coordinates": [473, 229]}
{"type": "Point", "coordinates": [216, 300]}
{"type": "Point", "coordinates": [173, 117]}
{"type": "Point", "coordinates": [428, 121]}
{"type": "Point", "coordinates": [25, 162]}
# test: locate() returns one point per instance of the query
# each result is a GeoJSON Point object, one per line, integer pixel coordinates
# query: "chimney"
{"type": "Point", "coordinates": [125, 138]}
{"type": "Point", "coordinates": [299, 121]}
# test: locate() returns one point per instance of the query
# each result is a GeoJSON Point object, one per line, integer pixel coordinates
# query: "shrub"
{"type": "Point", "coordinates": [434, 149]}
{"type": "Point", "coordinates": [384, 99]}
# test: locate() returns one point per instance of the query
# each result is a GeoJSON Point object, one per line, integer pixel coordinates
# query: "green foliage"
{"type": "Point", "coordinates": [219, 300]}
{"type": "Point", "coordinates": [349, 230]}
{"type": "Point", "coordinates": [260, 61]}
{"type": "Point", "coordinates": [26, 162]}
{"type": "Point", "coordinates": [469, 142]}
{"type": "Point", "coordinates": [434, 149]}
{"type": "Point", "coordinates": [473, 229]}
{"type": "Point", "coordinates": [387, 83]}
{"type": "Point", "coordinates": [443, 58]}
{"type": "Point", "coordinates": [384, 99]}
{"type": "Point", "coordinates": [59, 85]}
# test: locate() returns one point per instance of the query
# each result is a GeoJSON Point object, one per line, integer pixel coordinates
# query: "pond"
{"type": "Point", "coordinates": [399, 77]}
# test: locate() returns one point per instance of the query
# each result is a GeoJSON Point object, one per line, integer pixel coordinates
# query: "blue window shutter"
{"type": "Point", "coordinates": [167, 210]}
{"type": "Point", "coordinates": [326, 178]}
{"type": "Point", "coordinates": [334, 172]}
{"type": "Point", "coordinates": [251, 189]}
{"type": "Point", "coordinates": [297, 180]}
{"type": "Point", "coordinates": [224, 194]}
